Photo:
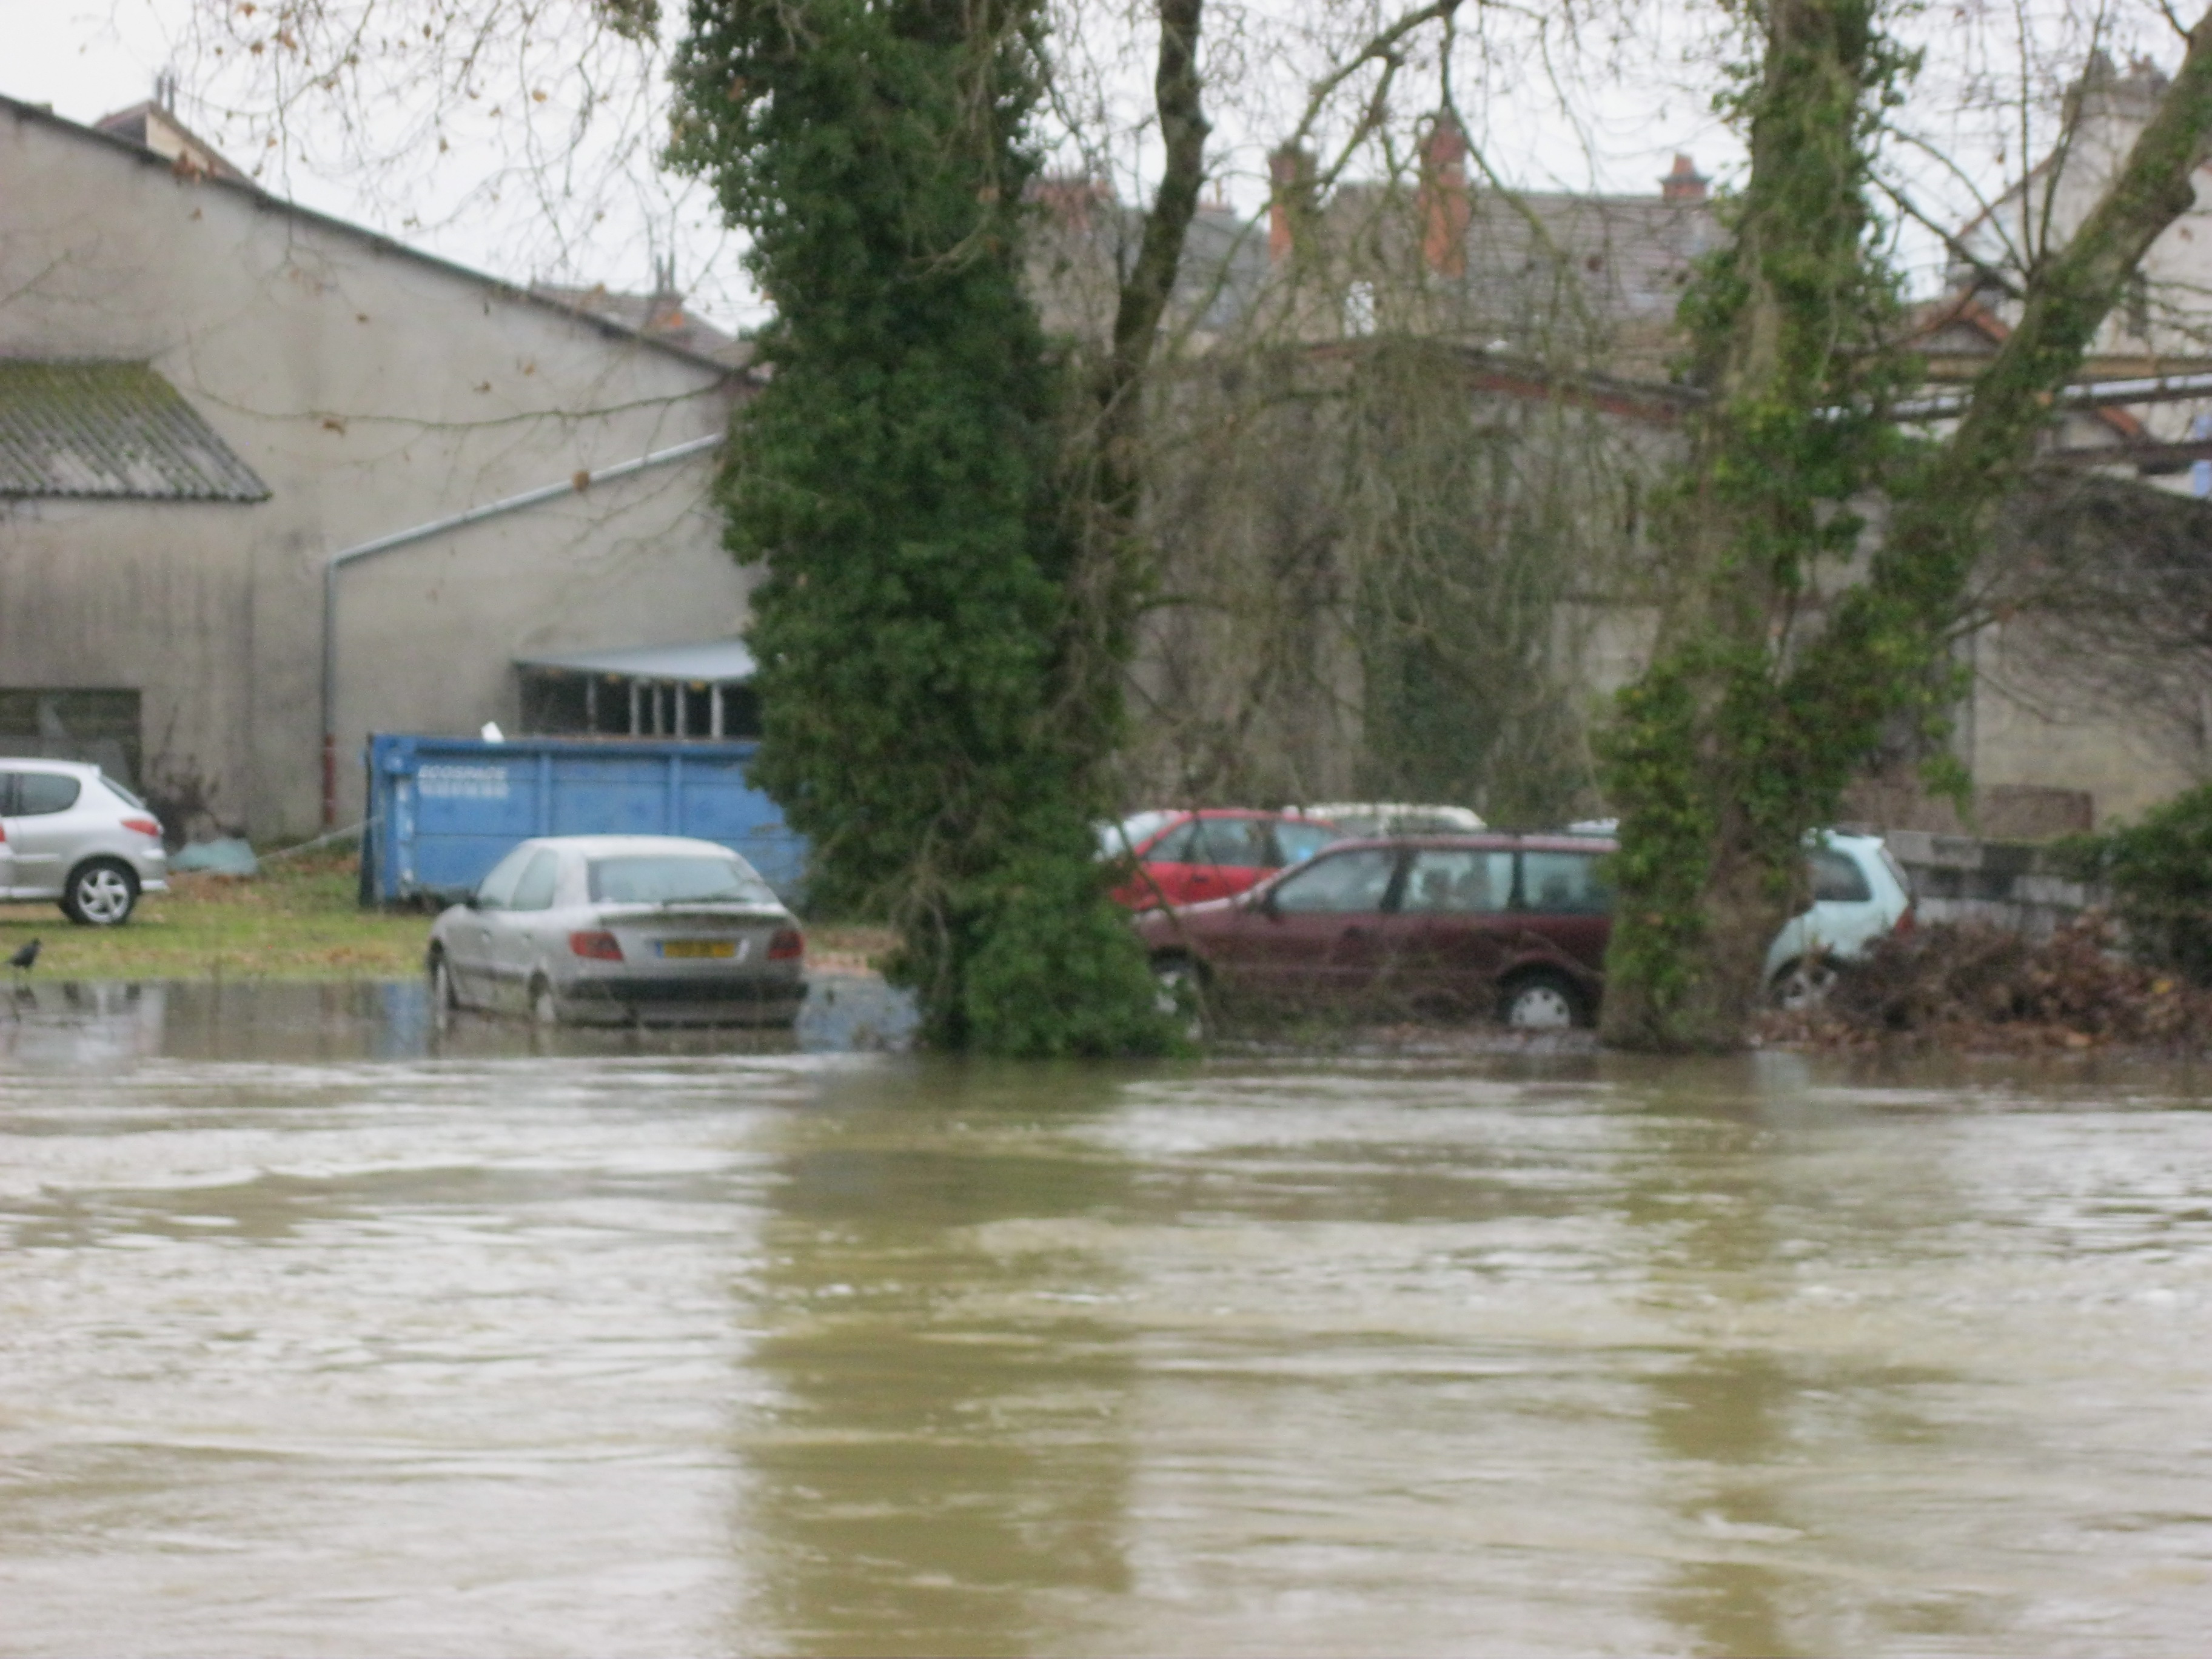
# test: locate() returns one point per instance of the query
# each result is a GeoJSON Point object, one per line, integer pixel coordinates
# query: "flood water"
{"type": "Point", "coordinates": [322, 1334]}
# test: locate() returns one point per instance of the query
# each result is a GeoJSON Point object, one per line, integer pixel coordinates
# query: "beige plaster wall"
{"type": "Point", "coordinates": [2027, 727]}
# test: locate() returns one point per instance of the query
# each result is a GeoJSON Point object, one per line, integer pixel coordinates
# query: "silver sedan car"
{"type": "Point", "coordinates": [617, 929]}
{"type": "Point", "coordinates": [69, 832]}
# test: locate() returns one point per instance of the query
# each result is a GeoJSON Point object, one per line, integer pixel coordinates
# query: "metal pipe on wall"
{"type": "Point", "coordinates": [575, 484]}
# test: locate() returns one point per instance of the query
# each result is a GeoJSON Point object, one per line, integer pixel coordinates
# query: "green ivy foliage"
{"type": "Point", "coordinates": [2159, 872]}
{"type": "Point", "coordinates": [897, 477]}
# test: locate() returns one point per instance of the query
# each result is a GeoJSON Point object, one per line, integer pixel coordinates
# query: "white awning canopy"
{"type": "Point", "coordinates": [704, 662]}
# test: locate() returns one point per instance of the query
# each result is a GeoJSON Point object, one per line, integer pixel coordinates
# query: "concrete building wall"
{"type": "Point", "coordinates": [372, 390]}
{"type": "Point", "coordinates": [2031, 729]}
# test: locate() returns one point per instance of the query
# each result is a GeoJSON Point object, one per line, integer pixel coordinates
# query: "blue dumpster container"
{"type": "Point", "coordinates": [443, 810]}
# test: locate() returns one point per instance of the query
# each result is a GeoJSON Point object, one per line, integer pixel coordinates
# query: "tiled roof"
{"type": "Point", "coordinates": [209, 170]}
{"type": "Point", "coordinates": [154, 126]}
{"type": "Point", "coordinates": [110, 429]}
{"type": "Point", "coordinates": [1632, 255]}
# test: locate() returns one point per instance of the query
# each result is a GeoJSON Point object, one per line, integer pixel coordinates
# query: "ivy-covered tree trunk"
{"type": "Point", "coordinates": [1759, 706]}
{"type": "Point", "coordinates": [897, 477]}
{"type": "Point", "coordinates": [1712, 803]}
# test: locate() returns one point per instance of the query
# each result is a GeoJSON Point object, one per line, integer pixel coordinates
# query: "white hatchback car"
{"type": "Point", "coordinates": [1860, 894]}
{"type": "Point", "coordinates": [1370, 819]}
{"type": "Point", "coordinates": [70, 833]}
{"type": "Point", "coordinates": [621, 929]}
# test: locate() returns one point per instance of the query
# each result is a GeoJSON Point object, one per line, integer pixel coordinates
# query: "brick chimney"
{"type": "Point", "coordinates": [1290, 200]}
{"type": "Point", "coordinates": [1445, 210]}
{"type": "Point", "coordinates": [664, 306]}
{"type": "Point", "coordinates": [1685, 183]}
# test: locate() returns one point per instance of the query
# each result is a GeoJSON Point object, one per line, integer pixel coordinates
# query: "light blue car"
{"type": "Point", "coordinates": [1860, 894]}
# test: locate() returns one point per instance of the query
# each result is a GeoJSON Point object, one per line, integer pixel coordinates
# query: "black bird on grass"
{"type": "Point", "coordinates": [20, 962]}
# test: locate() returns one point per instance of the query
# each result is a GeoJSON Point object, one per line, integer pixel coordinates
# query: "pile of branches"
{"type": "Point", "coordinates": [1971, 986]}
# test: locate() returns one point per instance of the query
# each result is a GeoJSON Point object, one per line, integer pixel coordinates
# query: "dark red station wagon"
{"type": "Point", "coordinates": [1516, 925]}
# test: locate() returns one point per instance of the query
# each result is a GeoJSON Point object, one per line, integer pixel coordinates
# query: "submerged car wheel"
{"type": "Point", "coordinates": [444, 999]}
{"type": "Point", "coordinates": [101, 894]}
{"type": "Point", "coordinates": [1804, 983]}
{"type": "Point", "coordinates": [1179, 994]}
{"type": "Point", "coordinates": [1540, 1002]}
{"type": "Point", "coordinates": [545, 1007]}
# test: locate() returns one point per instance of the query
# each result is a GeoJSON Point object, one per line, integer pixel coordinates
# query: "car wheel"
{"type": "Point", "coordinates": [1540, 1002]}
{"type": "Point", "coordinates": [1179, 993]}
{"type": "Point", "coordinates": [545, 1007]}
{"type": "Point", "coordinates": [1804, 983]}
{"type": "Point", "coordinates": [101, 894]}
{"type": "Point", "coordinates": [444, 999]}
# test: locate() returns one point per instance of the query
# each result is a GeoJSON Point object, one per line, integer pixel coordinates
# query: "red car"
{"type": "Point", "coordinates": [1185, 857]}
{"type": "Point", "coordinates": [1516, 925]}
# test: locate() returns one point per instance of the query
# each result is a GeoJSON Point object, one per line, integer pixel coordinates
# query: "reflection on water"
{"type": "Point", "coordinates": [67, 1024]}
{"type": "Point", "coordinates": [327, 1332]}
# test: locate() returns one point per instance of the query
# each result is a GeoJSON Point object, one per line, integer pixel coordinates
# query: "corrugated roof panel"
{"type": "Point", "coordinates": [726, 661]}
{"type": "Point", "coordinates": [92, 428]}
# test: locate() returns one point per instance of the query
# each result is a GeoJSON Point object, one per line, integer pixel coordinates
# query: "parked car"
{"type": "Point", "coordinates": [1860, 893]}
{"type": "Point", "coordinates": [621, 928]}
{"type": "Point", "coordinates": [1372, 819]}
{"type": "Point", "coordinates": [1513, 925]}
{"type": "Point", "coordinates": [71, 833]}
{"type": "Point", "coordinates": [1188, 857]}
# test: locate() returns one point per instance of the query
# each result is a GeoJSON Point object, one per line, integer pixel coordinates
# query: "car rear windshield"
{"type": "Point", "coordinates": [676, 878]}
{"type": "Point", "coordinates": [1837, 880]}
{"type": "Point", "coordinates": [1302, 839]}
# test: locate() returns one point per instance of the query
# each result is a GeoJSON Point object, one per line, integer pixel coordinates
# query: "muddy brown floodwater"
{"type": "Point", "coordinates": [321, 1334]}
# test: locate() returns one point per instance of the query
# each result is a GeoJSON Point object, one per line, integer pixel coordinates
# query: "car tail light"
{"type": "Point", "coordinates": [144, 827]}
{"type": "Point", "coordinates": [788, 946]}
{"type": "Point", "coordinates": [597, 944]}
{"type": "Point", "coordinates": [1906, 923]}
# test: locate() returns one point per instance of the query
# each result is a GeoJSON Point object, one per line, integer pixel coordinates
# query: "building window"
{"type": "Point", "coordinates": [557, 702]}
{"type": "Point", "coordinates": [102, 727]}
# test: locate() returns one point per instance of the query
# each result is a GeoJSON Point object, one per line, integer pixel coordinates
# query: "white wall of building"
{"type": "Point", "coordinates": [372, 390]}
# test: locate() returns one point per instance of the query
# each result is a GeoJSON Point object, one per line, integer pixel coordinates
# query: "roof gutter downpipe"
{"type": "Point", "coordinates": [422, 532]}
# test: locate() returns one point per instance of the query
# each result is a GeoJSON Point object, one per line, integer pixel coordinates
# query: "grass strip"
{"type": "Point", "coordinates": [298, 920]}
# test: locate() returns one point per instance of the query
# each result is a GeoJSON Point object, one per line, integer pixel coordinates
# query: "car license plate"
{"type": "Point", "coordinates": [698, 947]}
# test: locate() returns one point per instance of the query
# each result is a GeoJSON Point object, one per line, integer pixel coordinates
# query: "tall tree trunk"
{"type": "Point", "coordinates": [1145, 291]}
{"type": "Point", "coordinates": [899, 478]}
{"type": "Point", "coordinates": [1115, 571]}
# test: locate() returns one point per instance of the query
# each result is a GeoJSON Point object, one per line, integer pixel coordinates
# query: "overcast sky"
{"type": "Point", "coordinates": [89, 57]}
{"type": "Point", "coordinates": [86, 57]}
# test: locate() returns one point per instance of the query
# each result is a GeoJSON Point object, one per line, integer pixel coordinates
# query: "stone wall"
{"type": "Point", "coordinates": [2012, 885]}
